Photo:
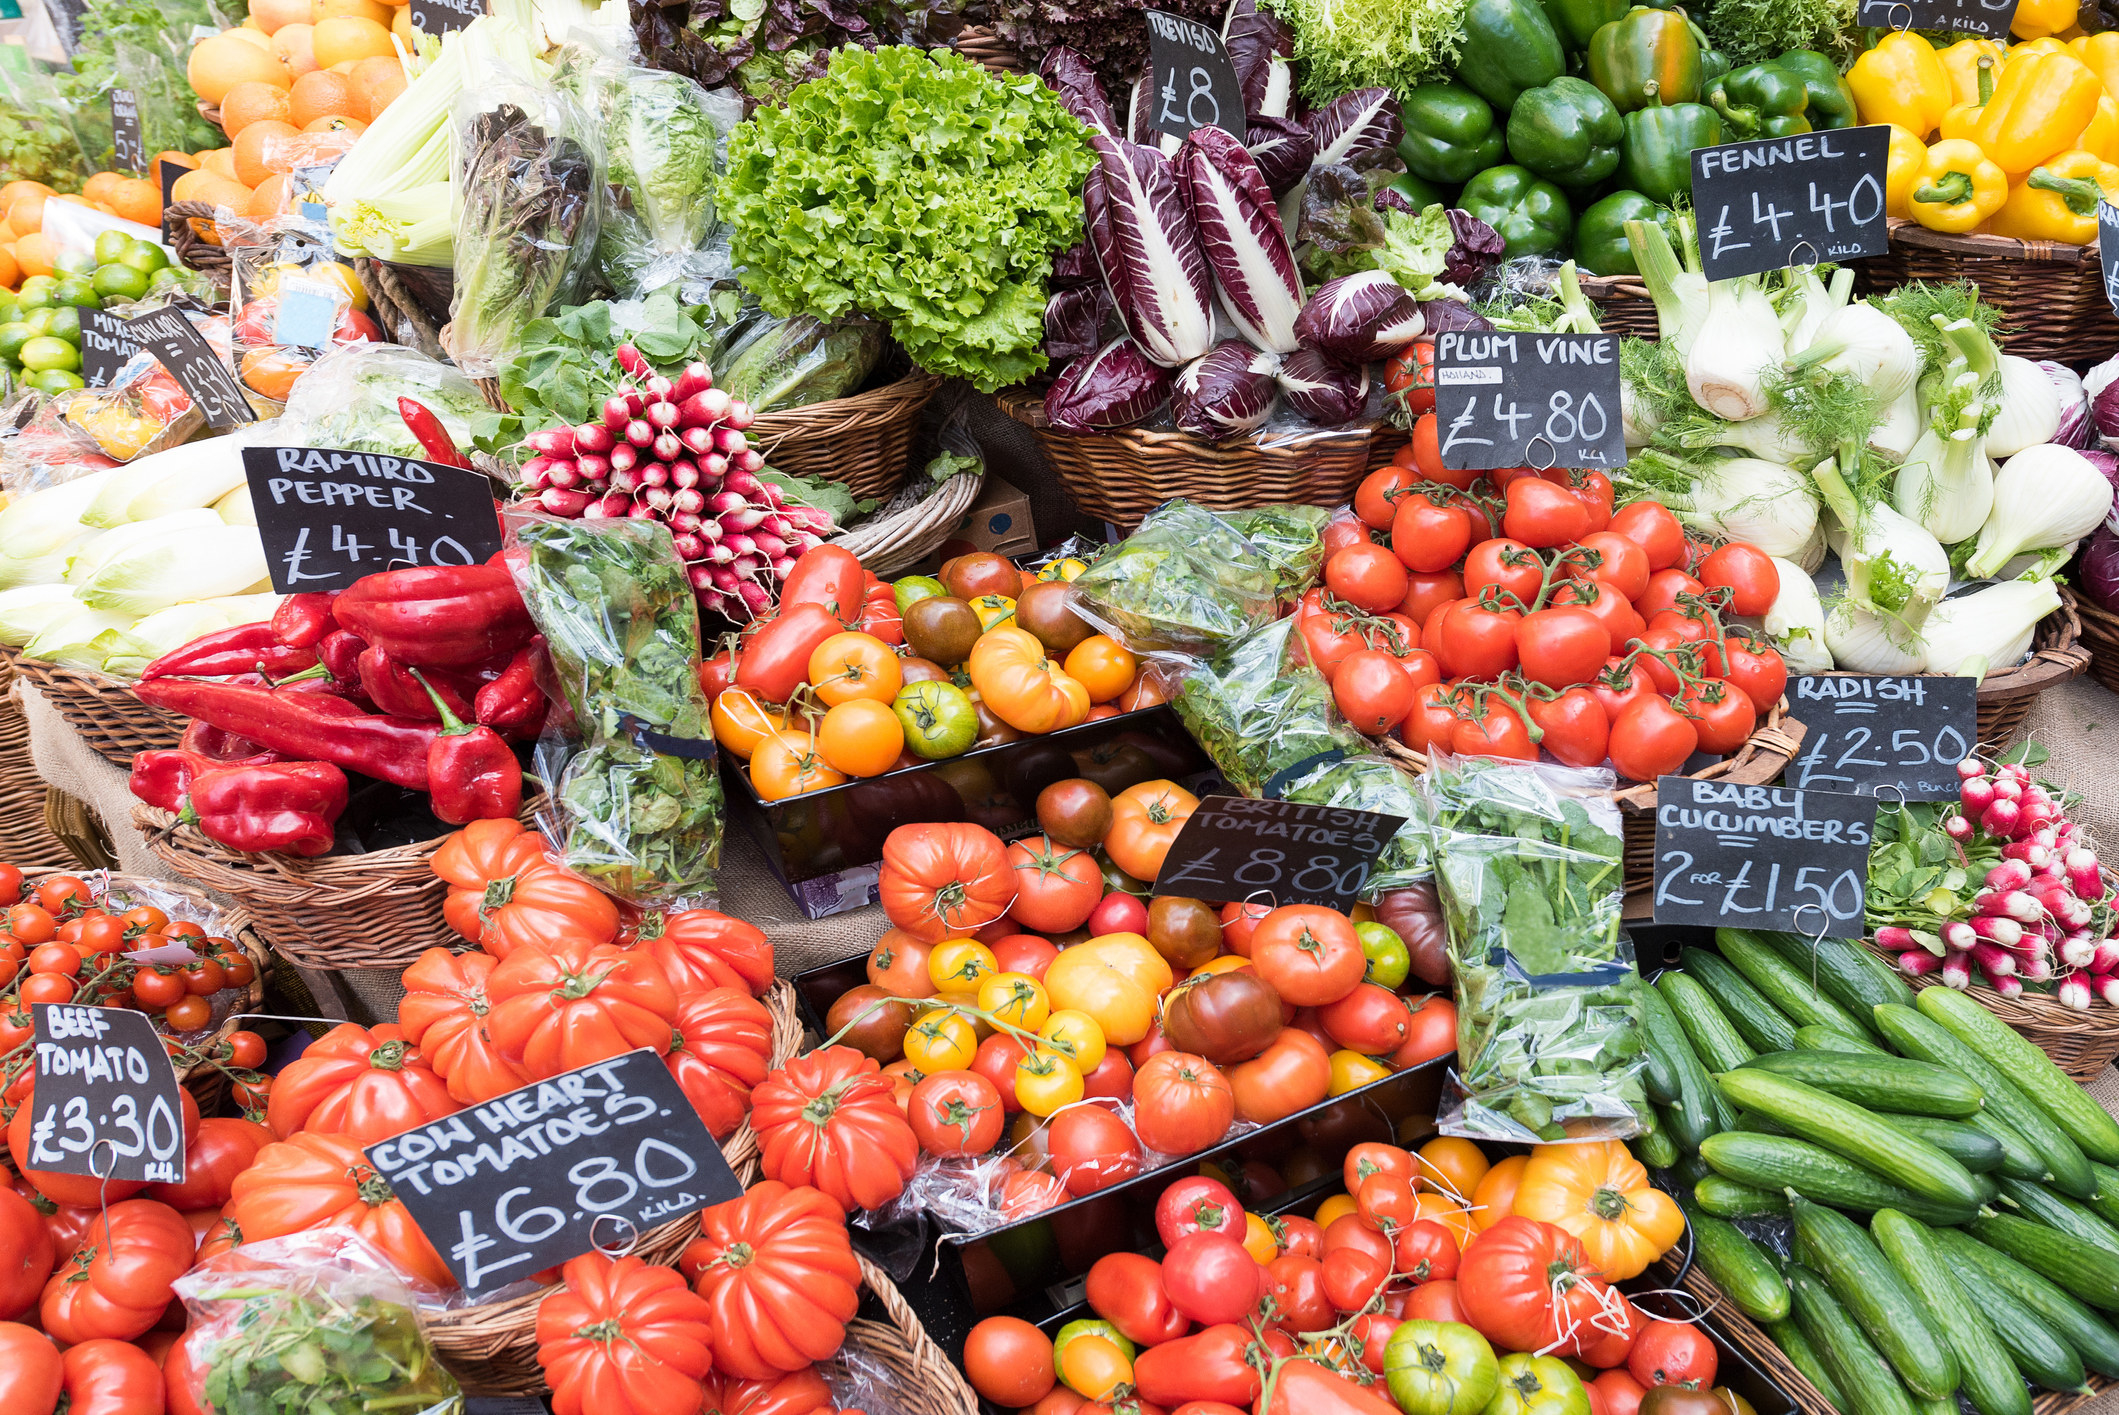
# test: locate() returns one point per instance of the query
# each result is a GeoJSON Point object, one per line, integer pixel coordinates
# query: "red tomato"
{"type": "Point", "coordinates": [997, 1058]}
{"type": "Point", "coordinates": [1759, 674]}
{"type": "Point", "coordinates": [1211, 1279]}
{"type": "Point", "coordinates": [1622, 1393]}
{"type": "Point", "coordinates": [1426, 1251]}
{"type": "Point", "coordinates": [1612, 559]}
{"type": "Point", "coordinates": [1542, 515]}
{"type": "Point", "coordinates": [1293, 1073]}
{"type": "Point", "coordinates": [1372, 1331]}
{"type": "Point", "coordinates": [1056, 889]}
{"type": "Point", "coordinates": [1370, 688]}
{"type": "Point", "coordinates": [1009, 1361]}
{"type": "Point", "coordinates": [1112, 1078]}
{"type": "Point", "coordinates": [1376, 499]}
{"type": "Point", "coordinates": [31, 1370]}
{"type": "Point", "coordinates": [1299, 1236]}
{"type": "Point", "coordinates": [1747, 572]}
{"type": "Point", "coordinates": [1434, 1033]}
{"type": "Point", "coordinates": [1348, 1231]}
{"type": "Point", "coordinates": [1528, 1287]}
{"type": "Point", "coordinates": [1432, 720]}
{"type": "Point", "coordinates": [1611, 1338]}
{"type": "Point", "coordinates": [1328, 635]}
{"type": "Point", "coordinates": [1309, 954]}
{"type": "Point", "coordinates": [1478, 642]}
{"type": "Point", "coordinates": [1576, 728]}
{"type": "Point", "coordinates": [1024, 953]}
{"type": "Point", "coordinates": [105, 1377]}
{"type": "Point", "coordinates": [1352, 1277]}
{"type": "Point", "coordinates": [1409, 375]}
{"type": "Point", "coordinates": [1590, 487]}
{"type": "Point", "coordinates": [1612, 609]}
{"type": "Point", "coordinates": [1372, 1157]}
{"type": "Point", "coordinates": [1181, 1103]}
{"type": "Point", "coordinates": [956, 1113]}
{"type": "Point", "coordinates": [1424, 592]}
{"type": "Point", "coordinates": [1430, 534]}
{"type": "Point", "coordinates": [1435, 1302]}
{"type": "Point", "coordinates": [1126, 1290]}
{"type": "Point", "coordinates": [1371, 1020]}
{"type": "Point", "coordinates": [1198, 1204]}
{"type": "Point", "coordinates": [1495, 729]}
{"type": "Point", "coordinates": [1673, 1353]}
{"type": "Point", "coordinates": [1650, 525]}
{"type": "Point", "coordinates": [1721, 715]}
{"type": "Point", "coordinates": [1119, 913]}
{"type": "Point", "coordinates": [1667, 642]}
{"type": "Point", "coordinates": [1385, 1202]}
{"type": "Point", "coordinates": [1295, 1300]}
{"type": "Point", "coordinates": [1561, 646]}
{"type": "Point", "coordinates": [1368, 577]}
{"type": "Point", "coordinates": [1664, 587]}
{"type": "Point", "coordinates": [1092, 1149]}
{"type": "Point", "coordinates": [1508, 564]}
{"type": "Point", "coordinates": [1651, 739]}
{"type": "Point", "coordinates": [1238, 922]}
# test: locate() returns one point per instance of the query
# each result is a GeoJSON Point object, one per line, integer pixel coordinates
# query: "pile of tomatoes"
{"type": "Point", "coordinates": [1500, 613]}
{"type": "Point", "coordinates": [1409, 1282]}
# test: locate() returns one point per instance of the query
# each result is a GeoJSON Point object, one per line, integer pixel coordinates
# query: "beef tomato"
{"type": "Point", "coordinates": [79, 1189]}
{"type": "Point", "coordinates": [32, 1373]}
{"type": "Point", "coordinates": [779, 1278]}
{"type": "Point", "coordinates": [1181, 1103]}
{"type": "Point", "coordinates": [800, 1392]}
{"type": "Point", "coordinates": [575, 1001]}
{"type": "Point", "coordinates": [27, 1254]}
{"type": "Point", "coordinates": [104, 1377]}
{"type": "Point", "coordinates": [623, 1338]}
{"type": "Point", "coordinates": [118, 1285]}
{"type": "Point", "coordinates": [702, 948]}
{"type": "Point", "coordinates": [944, 880]}
{"type": "Point", "coordinates": [324, 1181]}
{"type": "Point", "coordinates": [443, 1013]}
{"type": "Point", "coordinates": [830, 1119]}
{"type": "Point", "coordinates": [222, 1149]}
{"type": "Point", "coordinates": [504, 892]}
{"type": "Point", "coordinates": [1056, 889]}
{"type": "Point", "coordinates": [722, 1049]}
{"type": "Point", "coordinates": [1529, 1287]}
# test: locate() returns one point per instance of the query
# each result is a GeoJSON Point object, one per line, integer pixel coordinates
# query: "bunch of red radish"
{"type": "Point", "coordinates": [673, 450]}
{"type": "Point", "coordinates": [2037, 917]}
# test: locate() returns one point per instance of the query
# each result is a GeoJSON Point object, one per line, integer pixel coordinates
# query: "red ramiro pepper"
{"type": "Point", "coordinates": [221, 748]}
{"type": "Point", "coordinates": [242, 648]}
{"type": "Point", "coordinates": [433, 438]}
{"type": "Point", "coordinates": [340, 653]}
{"type": "Point", "coordinates": [390, 685]}
{"type": "Point", "coordinates": [288, 806]}
{"type": "Point", "coordinates": [471, 774]}
{"type": "Point", "coordinates": [454, 616]}
{"type": "Point", "coordinates": [163, 778]}
{"type": "Point", "coordinates": [302, 725]}
{"type": "Point", "coordinates": [513, 704]}
{"type": "Point", "coordinates": [302, 620]}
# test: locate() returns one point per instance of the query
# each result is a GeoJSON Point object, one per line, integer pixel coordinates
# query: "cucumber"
{"type": "Point", "coordinates": [1989, 1190]}
{"type": "Point", "coordinates": [1690, 1170]}
{"type": "Point", "coordinates": [1975, 1149]}
{"type": "Point", "coordinates": [2042, 1357]}
{"type": "Point", "coordinates": [2060, 1213]}
{"type": "Point", "coordinates": [1847, 1129]}
{"type": "Point", "coordinates": [1836, 1248]}
{"type": "Point", "coordinates": [2106, 1200]}
{"type": "Point", "coordinates": [2082, 1270]}
{"type": "Point", "coordinates": [1988, 1376]}
{"type": "Point", "coordinates": [1728, 1198]}
{"type": "Point", "coordinates": [1784, 986]}
{"type": "Point", "coordinates": [1915, 1034]}
{"type": "Point", "coordinates": [1758, 1021]}
{"type": "Point", "coordinates": [1777, 1163]}
{"type": "Point", "coordinates": [1803, 1356]}
{"type": "Point", "coordinates": [2087, 1123]}
{"type": "Point", "coordinates": [2018, 1159]}
{"type": "Point", "coordinates": [2090, 1335]}
{"type": "Point", "coordinates": [1752, 1123]}
{"type": "Point", "coordinates": [1654, 1147]}
{"type": "Point", "coordinates": [1692, 1109]}
{"type": "Point", "coordinates": [1738, 1266]}
{"type": "Point", "coordinates": [1847, 970]}
{"type": "Point", "coordinates": [1658, 1077]}
{"type": "Point", "coordinates": [1854, 1365]}
{"type": "Point", "coordinates": [1714, 1039]}
{"type": "Point", "coordinates": [1826, 1039]}
{"type": "Point", "coordinates": [1886, 1083]}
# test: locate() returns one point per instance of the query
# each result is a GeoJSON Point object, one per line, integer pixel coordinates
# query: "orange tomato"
{"type": "Point", "coordinates": [1023, 688]}
{"type": "Point", "coordinates": [742, 720]}
{"type": "Point", "coordinates": [789, 764]}
{"type": "Point", "coordinates": [1451, 1166]}
{"type": "Point", "coordinates": [1103, 665]}
{"type": "Point", "coordinates": [1332, 1209]}
{"type": "Point", "coordinates": [854, 667]}
{"type": "Point", "coordinates": [898, 965]}
{"type": "Point", "coordinates": [861, 737]}
{"type": "Point", "coordinates": [1145, 820]}
{"type": "Point", "coordinates": [1448, 1212]}
{"type": "Point", "coordinates": [1495, 1197]}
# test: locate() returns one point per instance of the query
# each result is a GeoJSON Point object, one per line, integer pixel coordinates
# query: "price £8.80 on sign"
{"type": "Point", "coordinates": [1537, 400]}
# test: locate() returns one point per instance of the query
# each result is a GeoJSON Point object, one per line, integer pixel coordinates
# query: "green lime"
{"type": "Point", "coordinates": [10, 312]}
{"type": "Point", "coordinates": [13, 335]}
{"type": "Point", "coordinates": [111, 246]}
{"type": "Point", "coordinates": [45, 352]}
{"type": "Point", "coordinates": [167, 278]}
{"type": "Point", "coordinates": [120, 282]}
{"type": "Point", "coordinates": [145, 257]}
{"type": "Point", "coordinates": [39, 321]}
{"type": "Point", "coordinates": [77, 291]}
{"type": "Point", "coordinates": [27, 299]}
{"type": "Point", "coordinates": [74, 262]}
{"type": "Point", "coordinates": [64, 322]}
{"type": "Point", "coordinates": [56, 381]}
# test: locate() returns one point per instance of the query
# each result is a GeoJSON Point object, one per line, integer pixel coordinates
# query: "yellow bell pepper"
{"type": "Point", "coordinates": [1959, 187]}
{"type": "Point", "coordinates": [1962, 118]}
{"type": "Point", "coordinates": [1902, 165]}
{"type": "Point", "coordinates": [2100, 52]}
{"type": "Point", "coordinates": [2102, 135]}
{"type": "Point", "coordinates": [2041, 102]}
{"type": "Point", "coordinates": [2048, 45]}
{"type": "Point", "coordinates": [1902, 81]}
{"type": "Point", "coordinates": [1961, 62]}
{"type": "Point", "coordinates": [1115, 979]}
{"type": "Point", "coordinates": [2058, 201]}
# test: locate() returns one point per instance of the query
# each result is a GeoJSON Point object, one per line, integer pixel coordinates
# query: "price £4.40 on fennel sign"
{"type": "Point", "coordinates": [1536, 400]}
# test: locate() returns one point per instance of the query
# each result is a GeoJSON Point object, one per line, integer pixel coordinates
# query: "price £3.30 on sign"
{"type": "Point", "coordinates": [1537, 400]}
{"type": "Point", "coordinates": [106, 1104]}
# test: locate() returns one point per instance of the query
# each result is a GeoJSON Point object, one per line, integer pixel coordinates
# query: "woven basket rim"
{"type": "Point", "coordinates": [914, 383]}
{"type": "Point", "coordinates": [318, 872]}
{"type": "Point", "coordinates": [90, 680]}
{"type": "Point", "coordinates": [1919, 237]}
{"type": "Point", "coordinates": [2057, 655]}
{"type": "Point", "coordinates": [1026, 405]}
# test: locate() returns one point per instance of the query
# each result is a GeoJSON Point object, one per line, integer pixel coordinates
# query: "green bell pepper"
{"type": "Point", "coordinates": [1509, 48]}
{"type": "Point", "coordinates": [1656, 158]}
{"type": "Point", "coordinates": [1531, 215]}
{"type": "Point", "coordinates": [1418, 190]}
{"type": "Point", "coordinates": [1450, 133]}
{"type": "Point", "coordinates": [1600, 235]}
{"type": "Point", "coordinates": [1566, 132]}
{"type": "Point", "coordinates": [1713, 62]}
{"type": "Point", "coordinates": [1577, 21]}
{"type": "Point", "coordinates": [1760, 101]}
{"type": "Point", "coordinates": [1648, 56]}
{"type": "Point", "coordinates": [1831, 100]}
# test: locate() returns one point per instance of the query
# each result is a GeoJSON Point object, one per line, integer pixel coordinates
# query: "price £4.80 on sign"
{"type": "Point", "coordinates": [1537, 400]}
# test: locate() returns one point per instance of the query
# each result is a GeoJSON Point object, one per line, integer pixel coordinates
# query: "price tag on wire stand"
{"type": "Point", "coordinates": [1873, 734]}
{"type": "Point", "coordinates": [1761, 857]}
{"type": "Point", "coordinates": [590, 1158]}
{"type": "Point", "coordinates": [327, 518]}
{"type": "Point", "coordinates": [106, 1098]}
{"type": "Point", "coordinates": [170, 336]}
{"type": "Point", "coordinates": [438, 17]}
{"type": "Point", "coordinates": [2108, 251]}
{"type": "Point", "coordinates": [1988, 18]}
{"type": "Point", "coordinates": [1191, 77]}
{"type": "Point", "coordinates": [128, 143]}
{"type": "Point", "coordinates": [1801, 200]}
{"type": "Point", "coordinates": [1536, 400]}
{"type": "Point", "coordinates": [1234, 848]}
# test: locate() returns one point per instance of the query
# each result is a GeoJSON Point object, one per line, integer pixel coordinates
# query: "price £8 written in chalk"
{"type": "Point", "coordinates": [1200, 110]}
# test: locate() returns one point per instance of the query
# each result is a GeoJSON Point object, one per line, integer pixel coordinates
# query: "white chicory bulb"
{"type": "Point", "coordinates": [191, 483]}
{"type": "Point", "coordinates": [1945, 482]}
{"type": "Point", "coordinates": [48, 569]}
{"type": "Point", "coordinates": [27, 609]}
{"type": "Point", "coordinates": [39, 523]}
{"type": "Point", "coordinates": [1741, 341]}
{"type": "Point", "coordinates": [1975, 634]}
{"type": "Point", "coordinates": [1865, 641]}
{"type": "Point", "coordinates": [129, 535]}
{"type": "Point", "coordinates": [2030, 409]}
{"type": "Point", "coordinates": [66, 638]}
{"type": "Point", "coordinates": [2044, 496]}
{"type": "Point", "coordinates": [235, 507]}
{"type": "Point", "coordinates": [1796, 622]}
{"type": "Point", "coordinates": [205, 563]}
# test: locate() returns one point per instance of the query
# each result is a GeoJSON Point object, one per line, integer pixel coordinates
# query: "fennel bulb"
{"type": "Point", "coordinates": [1861, 340]}
{"type": "Point", "coordinates": [2030, 408]}
{"type": "Point", "coordinates": [1894, 566]}
{"type": "Point", "coordinates": [27, 609]}
{"type": "Point", "coordinates": [204, 563]}
{"type": "Point", "coordinates": [37, 524]}
{"type": "Point", "coordinates": [1726, 371]}
{"type": "Point", "coordinates": [2044, 496]}
{"type": "Point", "coordinates": [1809, 302]}
{"type": "Point", "coordinates": [1945, 483]}
{"type": "Point", "coordinates": [1638, 416]}
{"type": "Point", "coordinates": [1900, 425]}
{"type": "Point", "coordinates": [1746, 499]}
{"type": "Point", "coordinates": [1976, 633]}
{"type": "Point", "coordinates": [1680, 295]}
{"type": "Point", "coordinates": [1796, 622]}
{"type": "Point", "coordinates": [1865, 641]}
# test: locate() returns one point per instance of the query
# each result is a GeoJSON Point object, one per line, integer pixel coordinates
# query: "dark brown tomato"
{"type": "Point", "coordinates": [982, 572]}
{"type": "Point", "coordinates": [1075, 812]}
{"type": "Point", "coordinates": [1224, 1017]}
{"type": "Point", "coordinates": [922, 670]}
{"type": "Point", "coordinates": [1046, 609]}
{"type": "Point", "coordinates": [942, 628]}
{"type": "Point", "coordinates": [879, 1033]}
{"type": "Point", "coordinates": [1186, 932]}
{"type": "Point", "coordinates": [1415, 914]}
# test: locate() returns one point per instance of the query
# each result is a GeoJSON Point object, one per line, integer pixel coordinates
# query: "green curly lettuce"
{"type": "Point", "coordinates": [917, 189]}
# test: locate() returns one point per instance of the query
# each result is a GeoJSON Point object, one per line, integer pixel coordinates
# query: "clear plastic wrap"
{"type": "Point", "coordinates": [622, 625]}
{"type": "Point", "coordinates": [143, 408]}
{"type": "Point", "coordinates": [293, 301]}
{"type": "Point", "coordinates": [1258, 711]}
{"type": "Point", "coordinates": [348, 399]}
{"type": "Point", "coordinates": [794, 362]}
{"type": "Point", "coordinates": [1368, 782]}
{"type": "Point", "coordinates": [1290, 538]}
{"type": "Point", "coordinates": [1187, 581]}
{"type": "Point", "coordinates": [313, 1322]}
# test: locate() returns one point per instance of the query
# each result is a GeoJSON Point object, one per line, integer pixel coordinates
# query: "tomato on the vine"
{"type": "Point", "coordinates": [1424, 592]}
{"type": "Point", "coordinates": [1611, 609]}
{"type": "Point", "coordinates": [1494, 729]}
{"type": "Point", "coordinates": [1506, 563]}
{"type": "Point", "coordinates": [1651, 739]}
{"type": "Point", "coordinates": [1429, 534]}
{"type": "Point", "coordinates": [1652, 527]}
{"type": "Point", "coordinates": [1295, 1297]}
{"type": "Point", "coordinates": [1410, 374]}
{"type": "Point", "coordinates": [1433, 718]}
{"type": "Point", "coordinates": [1477, 642]}
{"type": "Point", "coordinates": [1721, 715]}
{"type": "Point", "coordinates": [64, 894]}
{"type": "Point", "coordinates": [1760, 674]}
{"type": "Point", "coordinates": [1367, 576]}
{"type": "Point", "coordinates": [1748, 572]}
{"type": "Point", "coordinates": [1664, 587]}
{"type": "Point", "coordinates": [1620, 562]}
{"type": "Point", "coordinates": [1560, 646]}
{"type": "Point", "coordinates": [1542, 515]}
{"type": "Point", "coordinates": [1373, 691]}
{"type": "Point", "coordinates": [1376, 499]}
{"type": "Point", "coordinates": [1577, 729]}
{"type": "Point", "coordinates": [1426, 1251]}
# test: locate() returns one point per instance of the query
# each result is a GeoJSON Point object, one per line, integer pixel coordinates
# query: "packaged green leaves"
{"type": "Point", "coordinates": [1368, 782]}
{"type": "Point", "coordinates": [639, 799]}
{"type": "Point", "coordinates": [1257, 711]}
{"type": "Point", "coordinates": [1190, 581]}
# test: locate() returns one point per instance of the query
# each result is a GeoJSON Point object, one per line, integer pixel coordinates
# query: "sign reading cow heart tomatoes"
{"type": "Point", "coordinates": [1282, 852]}
{"type": "Point", "coordinates": [106, 1098]}
{"type": "Point", "coordinates": [592, 1158]}
{"type": "Point", "coordinates": [1761, 857]}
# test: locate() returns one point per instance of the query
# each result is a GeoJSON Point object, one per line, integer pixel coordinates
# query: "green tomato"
{"type": "Point", "coordinates": [914, 588]}
{"type": "Point", "coordinates": [938, 719]}
{"type": "Point", "coordinates": [56, 381]}
{"type": "Point", "coordinates": [77, 292]}
{"type": "Point", "coordinates": [1117, 881]}
{"type": "Point", "coordinates": [111, 246]}
{"type": "Point", "coordinates": [1088, 1326]}
{"type": "Point", "coordinates": [13, 335]}
{"type": "Point", "coordinates": [1537, 1385]}
{"type": "Point", "coordinates": [1389, 959]}
{"type": "Point", "coordinates": [145, 257]}
{"type": "Point", "coordinates": [119, 282]}
{"type": "Point", "coordinates": [1440, 1368]}
{"type": "Point", "coordinates": [45, 352]}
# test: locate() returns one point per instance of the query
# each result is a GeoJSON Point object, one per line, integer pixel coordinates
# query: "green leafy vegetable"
{"type": "Point", "coordinates": [820, 492]}
{"type": "Point", "coordinates": [1753, 31]}
{"type": "Point", "coordinates": [1342, 45]}
{"type": "Point", "coordinates": [1187, 580]}
{"type": "Point", "coordinates": [313, 1353]}
{"type": "Point", "coordinates": [563, 368]}
{"type": "Point", "coordinates": [1368, 782]}
{"type": "Point", "coordinates": [1257, 711]}
{"type": "Point", "coordinates": [795, 362]}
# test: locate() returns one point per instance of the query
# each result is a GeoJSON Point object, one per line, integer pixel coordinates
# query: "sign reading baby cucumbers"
{"type": "Point", "coordinates": [1761, 857]}
{"type": "Point", "coordinates": [1802, 200]}
{"type": "Point", "coordinates": [1535, 400]}
{"type": "Point", "coordinates": [328, 518]}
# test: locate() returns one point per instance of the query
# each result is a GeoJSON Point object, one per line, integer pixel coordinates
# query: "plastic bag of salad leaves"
{"type": "Point", "coordinates": [637, 802]}
{"type": "Point", "coordinates": [1188, 581]}
{"type": "Point", "coordinates": [1368, 782]}
{"type": "Point", "coordinates": [312, 1322]}
{"type": "Point", "coordinates": [1257, 711]}
{"type": "Point", "coordinates": [1291, 538]}
{"type": "Point", "coordinates": [1529, 865]}
{"type": "Point", "coordinates": [800, 360]}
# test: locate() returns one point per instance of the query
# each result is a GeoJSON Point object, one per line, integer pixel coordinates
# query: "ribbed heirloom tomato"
{"type": "Point", "coordinates": [118, 1286]}
{"type": "Point", "coordinates": [945, 880]}
{"type": "Point", "coordinates": [503, 892]}
{"type": "Point", "coordinates": [324, 1181]}
{"type": "Point", "coordinates": [623, 1338]}
{"type": "Point", "coordinates": [704, 948]}
{"type": "Point", "coordinates": [722, 1049]}
{"type": "Point", "coordinates": [573, 1002]}
{"type": "Point", "coordinates": [830, 1119]}
{"type": "Point", "coordinates": [780, 1277]}
{"type": "Point", "coordinates": [366, 1085]}
{"type": "Point", "coordinates": [26, 1254]}
{"type": "Point", "coordinates": [443, 1013]}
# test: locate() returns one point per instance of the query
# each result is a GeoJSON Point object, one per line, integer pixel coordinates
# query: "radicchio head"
{"type": "Point", "coordinates": [1228, 390]}
{"type": "Point", "coordinates": [1070, 76]}
{"type": "Point", "coordinates": [1074, 322]}
{"type": "Point", "coordinates": [1260, 45]}
{"type": "Point", "coordinates": [1112, 388]}
{"type": "Point", "coordinates": [1283, 149]}
{"type": "Point", "coordinates": [1246, 245]}
{"type": "Point", "coordinates": [1365, 120]}
{"type": "Point", "coordinates": [1478, 249]}
{"type": "Point", "coordinates": [1360, 317]}
{"type": "Point", "coordinates": [1322, 389]}
{"type": "Point", "coordinates": [1149, 252]}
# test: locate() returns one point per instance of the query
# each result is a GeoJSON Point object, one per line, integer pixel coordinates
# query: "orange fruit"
{"type": "Point", "coordinates": [252, 102]}
{"type": "Point", "coordinates": [220, 161]}
{"type": "Point", "coordinates": [378, 82]}
{"type": "Point", "coordinates": [7, 234]}
{"type": "Point", "coordinates": [34, 253]}
{"type": "Point", "coordinates": [171, 155]}
{"type": "Point", "coordinates": [294, 46]}
{"type": "Point", "coordinates": [96, 188]}
{"type": "Point", "coordinates": [251, 34]}
{"type": "Point", "coordinates": [269, 199]}
{"type": "Point", "coordinates": [10, 273]}
{"type": "Point", "coordinates": [16, 188]}
{"type": "Point", "coordinates": [322, 94]}
{"type": "Point", "coordinates": [255, 159]}
{"type": "Point", "coordinates": [138, 199]}
{"type": "Point", "coordinates": [183, 187]}
{"type": "Point", "coordinates": [353, 126]}
{"type": "Point", "coordinates": [401, 23]}
{"type": "Point", "coordinates": [219, 62]}
{"type": "Point", "coordinates": [272, 16]}
{"type": "Point", "coordinates": [365, 9]}
{"type": "Point", "coordinates": [26, 212]}
{"type": "Point", "coordinates": [76, 198]}
{"type": "Point", "coordinates": [344, 37]}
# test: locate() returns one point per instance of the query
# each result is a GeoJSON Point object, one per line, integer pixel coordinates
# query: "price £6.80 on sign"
{"type": "Point", "coordinates": [1538, 400]}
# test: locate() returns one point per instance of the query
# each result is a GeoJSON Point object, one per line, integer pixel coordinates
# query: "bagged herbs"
{"type": "Point", "coordinates": [639, 816]}
{"type": "Point", "coordinates": [1190, 580]}
{"type": "Point", "coordinates": [1257, 711]}
{"type": "Point", "coordinates": [1367, 782]}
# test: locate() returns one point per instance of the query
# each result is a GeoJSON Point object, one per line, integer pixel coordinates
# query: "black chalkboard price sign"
{"type": "Point", "coordinates": [106, 1103]}
{"type": "Point", "coordinates": [1801, 200]}
{"type": "Point", "coordinates": [590, 1158]}
{"type": "Point", "coordinates": [327, 518]}
{"type": "Point", "coordinates": [128, 143]}
{"type": "Point", "coordinates": [2108, 251]}
{"type": "Point", "coordinates": [1761, 857]}
{"type": "Point", "coordinates": [1277, 852]}
{"type": "Point", "coordinates": [1990, 18]}
{"type": "Point", "coordinates": [191, 361]}
{"type": "Point", "coordinates": [105, 346]}
{"type": "Point", "coordinates": [1192, 77]}
{"type": "Point", "coordinates": [1538, 400]}
{"type": "Point", "coordinates": [438, 17]}
{"type": "Point", "coordinates": [1872, 734]}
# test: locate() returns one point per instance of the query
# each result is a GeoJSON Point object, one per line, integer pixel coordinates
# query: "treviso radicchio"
{"type": "Point", "coordinates": [1140, 118]}
{"type": "Point", "coordinates": [1080, 92]}
{"type": "Point", "coordinates": [1112, 388]}
{"type": "Point", "coordinates": [1322, 389]}
{"type": "Point", "coordinates": [1365, 120]}
{"type": "Point", "coordinates": [1260, 46]}
{"type": "Point", "coordinates": [1149, 251]}
{"type": "Point", "coordinates": [1247, 247]}
{"type": "Point", "coordinates": [1074, 322]}
{"type": "Point", "coordinates": [1360, 317]}
{"type": "Point", "coordinates": [1228, 390]}
{"type": "Point", "coordinates": [2098, 570]}
{"type": "Point", "coordinates": [1283, 150]}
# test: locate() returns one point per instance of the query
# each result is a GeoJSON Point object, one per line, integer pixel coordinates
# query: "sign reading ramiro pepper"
{"type": "Point", "coordinates": [329, 517]}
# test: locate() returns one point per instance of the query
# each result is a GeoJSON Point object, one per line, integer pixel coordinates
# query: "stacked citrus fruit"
{"type": "Point", "coordinates": [40, 324]}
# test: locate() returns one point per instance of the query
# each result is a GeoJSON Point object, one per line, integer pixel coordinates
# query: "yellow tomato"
{"type": "Point", "coordinates": [1046, 1081]}
{"type": "Point", "coordinates": [1228, 962]}
{"type": "Point", "coordinates": [1075, 1036]}
{"type": "Point", "coordinates": [1067, 569]}
{"type": "Point", "coordinates": [941, 1039]}
{"type": "Point", "coordinates": [1336, 1207]}
{"type": "Point", "coordinates": [958, 965]}
{"type": "Point", "coordinates": [1448, 1212]}
{"type": "Point", "coordinates": [741, 720]}
{"type": "Point", "coordinates": [1351, 1071]}
{"type": "Point", "coordinates": [1258, 1239]}
{"type": "Point", "coordinates": [1094, 1367]}
{"type": "Point", "coordinates": [1015, 998]}
{"type": "Point", "coordinates": [995, 611]}
{"type": "Point", "coordinates": [1116, 979]}
{"type": "Point", "coordinates": [1450, 1165]}
{"type": "Point", "coordinates": [851, 666]}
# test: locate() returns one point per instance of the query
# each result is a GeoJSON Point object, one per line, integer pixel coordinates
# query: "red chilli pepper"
{"type": "Point", "coordinates": [163, 778]}
{"type": "Point", "coordinates": [222, 748]}
{"type": "Point", "coordinates": [302, 726]}
{"type": "Point", "coordinates": [302, 620]}
{"type": "Point", "coordinates": [513, 704]}
{"type": "Point", "coordinates": [288, 806]}
{"type": "Point", "coordinates": [455, 616]}
{"type": "Point", "coordinates": [244, 648]}
{"type": "Point", "coordinates": [433, 438]}
{"type": "Point", "coordinates": [471, 774]}
{"type": "Point", "coordinates": [390, 685]}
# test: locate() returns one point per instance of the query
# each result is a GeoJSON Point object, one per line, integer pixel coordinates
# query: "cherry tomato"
{"type": "Point", "coordinates": [1650, 525]}
{"type": "Point", "coordinates": [188, 1014]}
{"type": "Point", "coordinates": [146, 919]}
{"type": "Point", "coordinates": [1748, 572]}
{"type": "Point", "coordinates": [10, 885]}
{"type": "Point", "coordinates": [246, 1050]}
{"type": "Point", "coordinates": [64, 894]}
{"type": "Point", "coordinates": [32, 924]}
{"type": "Point", "coordinates": [61, 959]}
{"type": "Point", "coordinates": [1368, 577]}
{"type": "Point", "coordinates": [1651, 739]}
{"type": "Point", "coordinates": [1577, 729]}
{"type": "Point", "coordinates": [1428, 533]}
{"type": "Point", "coordinates": [46, 987]}
{"type": "Point", "coordinates": [1561, 646]}
{"type": "Point", "coordinates": [204, 977]}
{"type": "Point", "coordinates": [1510, 564]}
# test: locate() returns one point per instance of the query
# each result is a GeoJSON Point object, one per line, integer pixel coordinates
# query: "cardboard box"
{"type": "Point", "coordinates": [998, 521]}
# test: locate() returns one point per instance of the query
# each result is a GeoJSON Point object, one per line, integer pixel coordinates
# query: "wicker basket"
{"type": "Point", "coordinates": [25, 840]}
{"type": "Point", "coordinates": [2100, 640]}
{"type": "Point", "coordinates": [2057, 655]}
{"type": "Point", "coordinates": [113, 722]}
{"type": "Point", "coordinates": [1623, 305]}
{"type": "Point", "coordinates": [2051, 296]}
{"type": "Point", "coordinates": [1121, 476]}
{"type": "Point", "coordinates": [191, 248]}
{"type": "Point", "coordinates": [864, 441]}
{"type": "Point", "coordinates": [2079, 1043]}
{"type": "Point", "coordinates": [398, 308]}
{"type": "Point", "coordinates": [914, 525]}
{"type": "Point", "coordinates": [988, 50]}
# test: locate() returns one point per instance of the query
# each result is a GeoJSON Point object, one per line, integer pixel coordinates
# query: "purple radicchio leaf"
{"type": "Point", "coordinates": [1260, 45]}
{"type": "Point", "coordinates": [1353, 123]}
{"type": "Point", "coordinates": [1080, 91]}
{"type": "Point", "coordinates": [1359, 317]}
{"type": "Point", "coordinates": [1391, 199]}
{"type": "Point", "coordinates": [1112, 388]}
{"type": "Point", "coordinates": [1479, 249]}
{"type": "Point", "coordinates": [1074, 322]}
{"type": "Point", "coordinates": [1228, 390]}
{"type": "Point", "coordinates": [1140, 125]}
{"type": "Point", "coordinates": [1322, 389]}
{"type": "Point", "coordinates": [1246, 245]}
{"type": "Point", "coordinates": [2097, 572]}
{"type": "Point", "coordinates": [1149, 251]}
{"type": "Point", "coordinates": [1074, 266]}
{"type": "Point", "coordinates": [1283, 149]}
{"type": "Point", "coordinates": [1443, 316]}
